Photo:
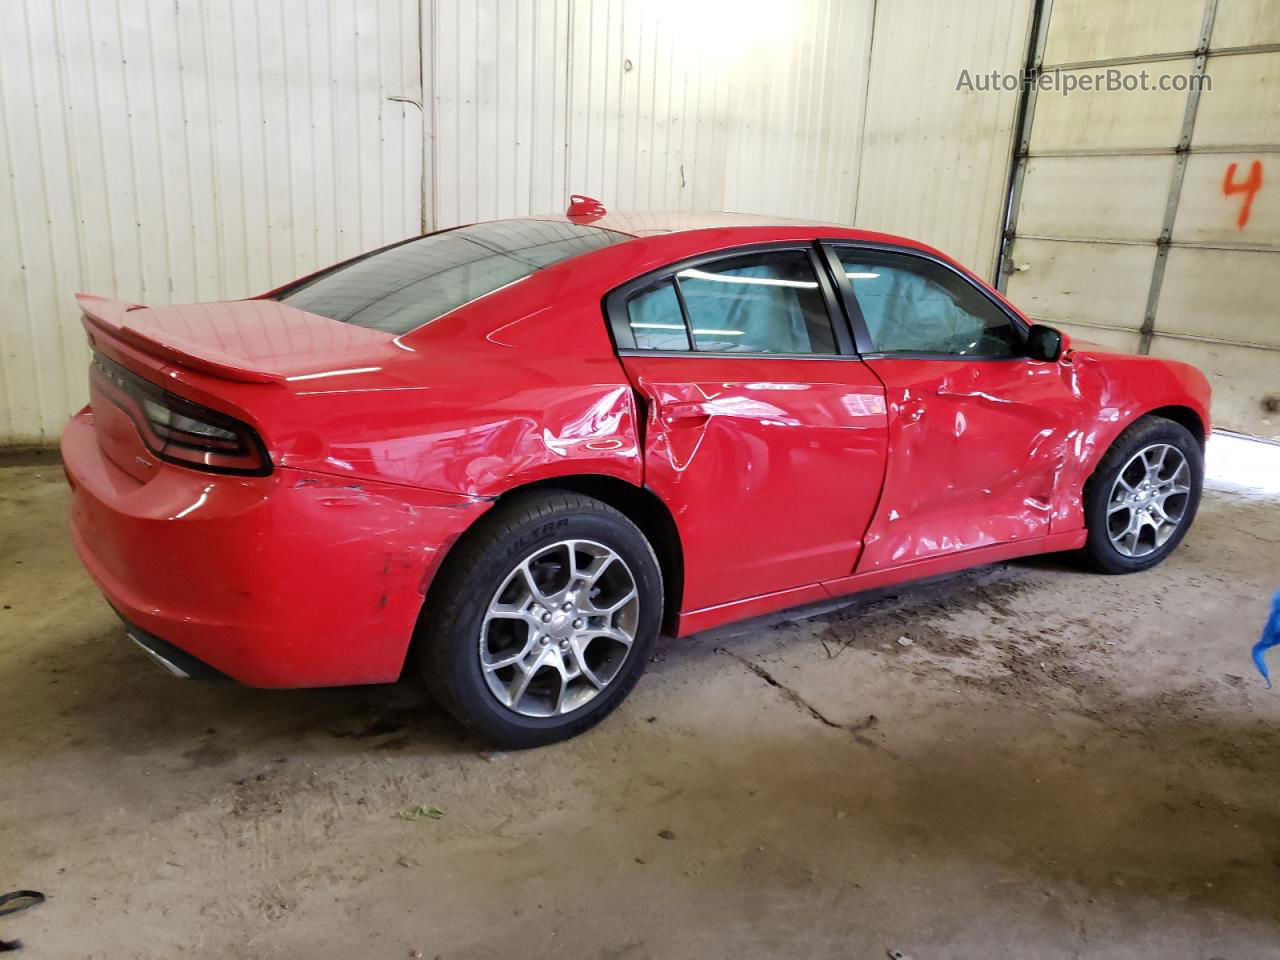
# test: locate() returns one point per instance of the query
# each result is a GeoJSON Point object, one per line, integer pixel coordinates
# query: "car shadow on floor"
{"type": "Point", "coordinates": [105, 695]}
{"type": "Point", "coordinates": [99, 692]}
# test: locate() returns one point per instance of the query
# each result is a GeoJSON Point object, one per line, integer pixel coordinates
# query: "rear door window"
{"type": "Point", "coordinates": [656, 320]}
{"type": "Point", "coordinates": [759, 303]}
{"type": "Point", "coordinates": [762, 303]}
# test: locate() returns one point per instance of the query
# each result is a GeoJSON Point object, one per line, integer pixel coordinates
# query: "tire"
{"type": "Point", "coordinates": [1128, 519]}
{"type": "Point", "coordinates": [485, 610]}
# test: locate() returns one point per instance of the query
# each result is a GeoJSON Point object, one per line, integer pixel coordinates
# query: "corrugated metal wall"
{"type": "Point", "coordinates": [648, 105]}
{"type": "Point", "coordinates": [936, 158]}
{"type": "Point", "coordinates": [168, 152]}
{"type": "Point", "coordinates": [176, 150]}
{"type": "Point", "coordinates": [746, 105]}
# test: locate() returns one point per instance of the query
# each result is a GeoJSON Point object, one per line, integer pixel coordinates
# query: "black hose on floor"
{"type": "Point", "coordinates": [12, 903]}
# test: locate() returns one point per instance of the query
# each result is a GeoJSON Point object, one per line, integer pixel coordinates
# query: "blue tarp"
{"type": "Point", "coordinates": [1270, 638]}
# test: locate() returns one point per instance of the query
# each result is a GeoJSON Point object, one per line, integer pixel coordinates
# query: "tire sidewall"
{"type": "Point", "coordinates": [1155, 431]}
{"type": "Point", "coordinates": [481, 709]}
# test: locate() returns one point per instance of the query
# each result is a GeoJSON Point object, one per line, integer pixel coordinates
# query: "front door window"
{"type": "Point", "coordinates": [915, 306]}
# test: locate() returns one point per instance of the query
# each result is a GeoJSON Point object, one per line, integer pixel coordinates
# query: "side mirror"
{"type": "Point", "coordinates": [1044, 343]}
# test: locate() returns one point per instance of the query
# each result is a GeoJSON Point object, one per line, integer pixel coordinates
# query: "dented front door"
{"type": "Point", "coordinates": [975, 450]}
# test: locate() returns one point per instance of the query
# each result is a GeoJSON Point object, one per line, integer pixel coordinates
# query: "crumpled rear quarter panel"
{"type": "Point", "coordinates": [294, 579]}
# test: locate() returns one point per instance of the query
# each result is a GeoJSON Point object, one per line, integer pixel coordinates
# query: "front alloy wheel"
{"type": "Point", "coordinates": [1142, 496]}
{"type": "Point", "coordinates": [1148, 500]}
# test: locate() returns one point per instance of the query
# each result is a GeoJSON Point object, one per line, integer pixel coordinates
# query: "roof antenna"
{"type": "Point", "coordinates": [584, 209]}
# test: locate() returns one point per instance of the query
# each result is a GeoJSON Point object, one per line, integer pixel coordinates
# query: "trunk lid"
{"type": "Point", "coordinates": [251, 341]}
{"type": "Point", "coordinates": [258, 342]}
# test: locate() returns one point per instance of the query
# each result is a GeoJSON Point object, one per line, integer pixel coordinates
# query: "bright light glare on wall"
{"type": "Point", "coordinates": [728, 30]}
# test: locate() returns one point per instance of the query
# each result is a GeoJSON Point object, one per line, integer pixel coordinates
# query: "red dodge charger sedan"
{"type": "Point", "coordinates": [515, 451]}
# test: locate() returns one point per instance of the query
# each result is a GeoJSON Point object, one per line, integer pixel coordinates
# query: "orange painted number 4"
{"type": "Point", "coordinates": [1249, 187]}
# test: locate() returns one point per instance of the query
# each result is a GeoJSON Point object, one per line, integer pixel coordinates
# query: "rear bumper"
{"type": "Point", "coordinates": [291, 580]}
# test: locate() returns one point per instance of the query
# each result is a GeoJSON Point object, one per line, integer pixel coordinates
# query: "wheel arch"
{"type": "Point", "coordinates": [1179, 413]}
{"type": "Point", "coordinates": [1095, 496]}
{"type": "Point", "coordinates": [1182, 415]}
{"type": "Point", "coordinates": [640, 505]}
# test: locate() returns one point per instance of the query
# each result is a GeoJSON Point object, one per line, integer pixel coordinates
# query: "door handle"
{"type": "Point", "coordinates": [687, 410]}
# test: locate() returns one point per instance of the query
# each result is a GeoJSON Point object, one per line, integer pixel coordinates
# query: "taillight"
{"type": "Point", "coordinates": [182, 432]}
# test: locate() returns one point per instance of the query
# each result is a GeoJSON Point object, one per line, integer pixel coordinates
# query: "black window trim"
{"type": "Point", "coordinates": [862, 336]}
{"type": "Point", "coordinates": [684, 311]}
{"type": "Point", "coordinates": [615, 305]}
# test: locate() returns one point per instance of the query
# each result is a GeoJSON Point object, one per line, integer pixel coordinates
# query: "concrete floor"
{"type": "Point", "coordinates": [1058, 765]}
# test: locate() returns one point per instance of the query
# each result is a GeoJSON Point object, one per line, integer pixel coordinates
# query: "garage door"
{"type": "Point", "coordinates": [1146, 214]}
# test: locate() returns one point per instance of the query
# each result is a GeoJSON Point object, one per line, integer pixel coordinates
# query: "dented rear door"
{"type": "Point", "coordinates": [763, 433]}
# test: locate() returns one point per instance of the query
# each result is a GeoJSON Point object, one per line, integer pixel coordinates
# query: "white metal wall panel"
{"type": "Point", "coordinates": [1217, 309]}
{"type": "Point", "coordinates": [1205, 215]}
{"type": "Point", "coordinates": [499, 93]}
{"type": "Point", "coordinates": [629, 101]}
{"type": "Point", "coordinates": [1109, 120]}
{"type": "Point", "coordinates": [1243, 23]}
{"type": "Point", "coordinates": [1245, 381]}
{"type": "Point", "coordinates": [1119, 198]}
{"type": "Point", "coordinates": [936, 159]}
{"type": "Point", "coordinates": [1089, 30]}
{"type": "Point", "coordinates": [1102, 284]}
{"type": "Point", "coordinates": [766, 119]}
{"type": "Point", "coordinates": [1224, 293]}
{"type": "Point", "coordinates": [1243, 105]}
{"type": "Point", "coordinates": [169, 152]}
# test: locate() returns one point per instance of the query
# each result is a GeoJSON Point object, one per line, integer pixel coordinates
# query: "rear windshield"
{"type": "Point", "coordinates": [405, 286]}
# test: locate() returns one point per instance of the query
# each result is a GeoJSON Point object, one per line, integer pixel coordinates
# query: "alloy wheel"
{"type": "Point", "coordinates": [1148, 500]}
{"type": "Point", "coordinates": [559, 628]}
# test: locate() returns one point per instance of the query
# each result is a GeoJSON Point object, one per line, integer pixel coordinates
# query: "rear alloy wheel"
{"type": "Point", "coordinates": [542, 620]}
{"type": "Point", "coordinates": [559, 629]}
{"type": "Point", "coordinates": [1143, 496]}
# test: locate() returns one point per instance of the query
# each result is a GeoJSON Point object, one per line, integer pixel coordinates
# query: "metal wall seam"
{"type": "Point", "coordinates": [1175, 183]}
{"type": "Point", "coordinates": [1161, 57]}
{"type": "Point", "coordinates": [1041, 14]}
{"type": "Point", "coordinates": [935, 155]}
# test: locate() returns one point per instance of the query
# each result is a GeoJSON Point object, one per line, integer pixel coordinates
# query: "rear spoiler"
{"type": "Point", "coordinates": [111, 318]}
